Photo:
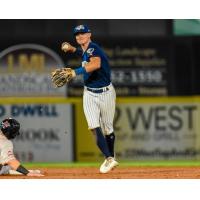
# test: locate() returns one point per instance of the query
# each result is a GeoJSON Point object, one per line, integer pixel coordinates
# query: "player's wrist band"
{"type": "Point", "coordinates": [22, 170]}
{"type": "Point", "coordinates": [80, 70]}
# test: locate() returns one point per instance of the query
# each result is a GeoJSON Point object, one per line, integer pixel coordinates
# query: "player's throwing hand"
{"type": "Point", "coordinates": [67, 47]}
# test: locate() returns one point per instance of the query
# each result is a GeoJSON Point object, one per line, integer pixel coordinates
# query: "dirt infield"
{"type": "Point", "coordinates": [118, 173]}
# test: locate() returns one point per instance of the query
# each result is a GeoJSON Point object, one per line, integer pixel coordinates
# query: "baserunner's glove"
{"type": "Point", "coordinates": [62, 76]}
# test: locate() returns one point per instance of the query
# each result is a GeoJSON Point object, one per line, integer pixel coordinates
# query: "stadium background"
{"type": "Point", "coordinates": [155, 69]}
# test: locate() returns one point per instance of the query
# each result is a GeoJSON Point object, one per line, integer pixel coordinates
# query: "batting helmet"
{"type": "Point", "coordinates": [10, 128]}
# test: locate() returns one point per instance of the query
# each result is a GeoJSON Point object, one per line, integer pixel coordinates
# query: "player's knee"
{"type": "Point", "coordinates": [108, 130]}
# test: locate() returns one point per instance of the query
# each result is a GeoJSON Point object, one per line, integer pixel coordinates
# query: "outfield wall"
{"type": "Point", "coordinates": [55, 129]}
{"type": "Point", "coordinates": [150, 128]}
{"type": "Point", "coordinates": [46, 128]}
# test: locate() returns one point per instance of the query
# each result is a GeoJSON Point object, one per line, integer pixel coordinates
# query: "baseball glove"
{"type": "Point", "coordinates": [62, 76]}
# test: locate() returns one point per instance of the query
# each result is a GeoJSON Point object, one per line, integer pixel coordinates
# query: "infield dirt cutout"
{"type": "Point", "coordinates": [118, 173]}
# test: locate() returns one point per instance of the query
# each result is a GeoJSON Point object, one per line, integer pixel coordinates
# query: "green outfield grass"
{"type": "Point", "coordinates": [122, 164]}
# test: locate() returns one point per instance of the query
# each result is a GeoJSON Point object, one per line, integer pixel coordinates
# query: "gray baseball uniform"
{"type": "Point", "coordinates": [6, 153]}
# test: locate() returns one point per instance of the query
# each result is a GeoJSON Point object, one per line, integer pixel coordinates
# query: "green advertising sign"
{"type": "Point", "coordinates": [186, 27]}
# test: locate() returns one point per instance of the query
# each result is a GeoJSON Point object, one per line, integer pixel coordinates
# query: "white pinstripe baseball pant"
{"type": "Point", "coordinates": [99, 108]}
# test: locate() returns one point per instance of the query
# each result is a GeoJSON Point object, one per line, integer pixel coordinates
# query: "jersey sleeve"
{"type": "Point", "coordinates": [78, 51]}
{"type": "Point", "coordinates": [7, 152]}
{"type": "Point", "coordinates": [93, 52]}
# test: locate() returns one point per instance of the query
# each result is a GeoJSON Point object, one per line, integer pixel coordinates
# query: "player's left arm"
{"type": "Point", "coordinates": [62, 76]}
{"type": "Point", "coordinates": [16, 165]}
{"type": "Point", "coordinates": [93, 64]}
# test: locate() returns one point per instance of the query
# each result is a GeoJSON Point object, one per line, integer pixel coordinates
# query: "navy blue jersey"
{"type": "Point", "coordinates": [100, 77]}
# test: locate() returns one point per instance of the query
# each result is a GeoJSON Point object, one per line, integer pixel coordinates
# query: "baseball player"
{"type": "Point", "coordinates": [99, 94]}
{"type": "Point", "coordinates": [8, 163]}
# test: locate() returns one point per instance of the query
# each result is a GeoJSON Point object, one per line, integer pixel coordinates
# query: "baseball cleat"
{"type": "Point", "coordinates": [108, 164]}
{"type": "Point", "coordinates": [102, 165]}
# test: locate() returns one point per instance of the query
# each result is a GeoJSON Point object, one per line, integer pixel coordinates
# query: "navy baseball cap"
{"type": "Point", "coordinates": [81, 29]}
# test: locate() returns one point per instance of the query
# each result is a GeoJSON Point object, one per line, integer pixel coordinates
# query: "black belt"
{"type": "Point", "coordinates": [98, 90]}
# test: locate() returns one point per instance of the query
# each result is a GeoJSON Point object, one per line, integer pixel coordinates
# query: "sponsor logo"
{"type": "Point", "coordinates": [25, 71]}
{"type": "Point", "coordinates": [40, 135]}
{"type": "Point", "coordinates": [34, 110]}
{"type": "Point", "coordinates": [29, 58]}
{"type": "Point", "coordinates": [158, 118]}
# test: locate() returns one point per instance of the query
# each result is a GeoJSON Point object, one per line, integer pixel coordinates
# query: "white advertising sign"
{"type": "Point", "coordinates": [46, 131]}
{"type": "Point", "coordinates": [164, 130]}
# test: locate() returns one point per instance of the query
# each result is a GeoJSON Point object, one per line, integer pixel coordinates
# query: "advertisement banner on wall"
{"type": "Point", "coordinates": [25, 71]}
{"type": "Point", "coordinates": [157, 131]}
{"type": "Point", "coordinates": [138, 67]}
{"type": "Point", "coordinates": [46, 131]}
{"type": "Point", "coordinates": [148, 129]}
